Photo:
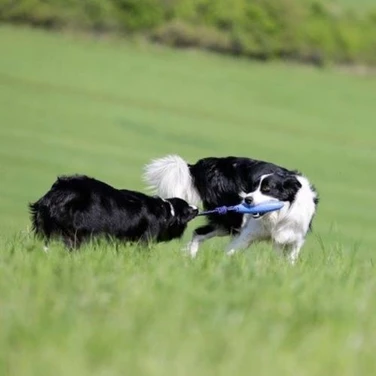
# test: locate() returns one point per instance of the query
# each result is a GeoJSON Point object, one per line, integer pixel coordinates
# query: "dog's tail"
{"type": "Point", "coordinates": [37, 221]}
{"type": "Point", "coordinates": [41, 220]}
{"type": "Point", "coordinates": [170, 176]}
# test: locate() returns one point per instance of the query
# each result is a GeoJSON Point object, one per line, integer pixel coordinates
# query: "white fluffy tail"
{"type": "Point", "coordinates": [170, 177]}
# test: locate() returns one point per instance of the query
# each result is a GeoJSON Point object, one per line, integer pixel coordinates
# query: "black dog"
{"type": "Point", "coordinates": [77, 208]}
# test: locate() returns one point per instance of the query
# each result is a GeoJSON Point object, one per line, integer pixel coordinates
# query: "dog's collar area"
{"type": "Point", "coordinates": [172, 210]}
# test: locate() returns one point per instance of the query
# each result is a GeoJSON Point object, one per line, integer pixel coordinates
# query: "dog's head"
{"type": "Point", "coordinates": [180, 214]}
{"type": "Point", "coordinates": [181, 210]}
{"type": "Point", "coordinates": [273, 187]}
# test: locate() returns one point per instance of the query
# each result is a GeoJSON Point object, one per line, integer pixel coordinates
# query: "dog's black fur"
{"type": "Point", "coordinates": [77, 208]}
{"type": "Point", "coordinates": [219, 181]}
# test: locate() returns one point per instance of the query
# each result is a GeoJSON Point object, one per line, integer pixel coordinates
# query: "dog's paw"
{"type": "Point", "coordinates": [231, 252]}
{"type": "Point", "coordinates": [190, 250]}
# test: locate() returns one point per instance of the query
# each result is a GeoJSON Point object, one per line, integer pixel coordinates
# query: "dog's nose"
{"type": "Point", "coordinates": [248, 200]}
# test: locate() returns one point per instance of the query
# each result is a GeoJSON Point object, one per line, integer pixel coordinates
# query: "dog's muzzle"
{"type": "Point", "coordinates": [249, 201]}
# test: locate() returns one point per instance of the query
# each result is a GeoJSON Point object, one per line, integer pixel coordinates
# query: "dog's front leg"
{"type": "Point", "coordinates": [291, 251]}
{"type": "Point", "coordinates": [247, 236]}
{"type": "Point", "coordinates": [241, 242]}
{"type": "Point", "coordinates": [200, 235]}
{"type": "Point", "coordinates": [294, 252]}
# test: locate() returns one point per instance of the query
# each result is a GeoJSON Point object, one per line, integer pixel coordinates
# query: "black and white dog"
{"type": "Point", "coordinates": [229, 181]}
{"type": "Point", "coordinates": [77, 208]}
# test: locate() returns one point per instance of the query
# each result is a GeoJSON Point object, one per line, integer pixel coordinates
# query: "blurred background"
{"type": "Point", "coordinates": [102, 86]}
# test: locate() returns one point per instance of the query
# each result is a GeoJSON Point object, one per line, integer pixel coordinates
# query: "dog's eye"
{"type": "Point", "coordinates": [266, 189]}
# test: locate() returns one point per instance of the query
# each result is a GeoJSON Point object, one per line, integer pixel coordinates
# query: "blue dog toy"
{"type": "Point", "coordinates": [246, 209]}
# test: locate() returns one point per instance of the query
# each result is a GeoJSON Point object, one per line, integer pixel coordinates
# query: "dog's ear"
{"type": "Point", "coordinates": [291, 183]}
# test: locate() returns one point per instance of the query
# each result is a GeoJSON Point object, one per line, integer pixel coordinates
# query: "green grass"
{"type": "Point", "coordinates": [105, 108]}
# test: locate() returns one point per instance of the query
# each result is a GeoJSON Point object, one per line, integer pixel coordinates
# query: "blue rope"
{"type": "Point", "coordinates": [222, 210]}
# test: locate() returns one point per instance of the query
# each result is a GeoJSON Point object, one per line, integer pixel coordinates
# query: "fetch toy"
{"type": "Point", "coordinates": [246, 209]}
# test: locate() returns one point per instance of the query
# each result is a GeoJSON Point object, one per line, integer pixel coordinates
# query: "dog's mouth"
{"type": "Point", "coordinates": [194, 213]}
{"type": "Point", "coordinates": [257, 215]}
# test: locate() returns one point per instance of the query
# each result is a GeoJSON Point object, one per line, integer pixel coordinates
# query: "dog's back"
{"type": "Point", "coordinates": [54, 212]}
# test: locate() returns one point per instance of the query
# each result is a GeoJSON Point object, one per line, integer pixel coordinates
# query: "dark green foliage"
{"type": "Point", "coordinates": [309, 30]}
{"type": "Point", "coordinates": [139, 15]}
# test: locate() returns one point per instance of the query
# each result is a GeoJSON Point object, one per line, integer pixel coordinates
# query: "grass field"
{"type": "Point", "coordinates": [105, 108]}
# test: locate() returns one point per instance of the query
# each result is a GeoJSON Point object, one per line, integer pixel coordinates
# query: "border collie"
{"type": "Point", "coordinates": [77, 208]}
{"type": "Point", "coordinates": [231, 180]}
